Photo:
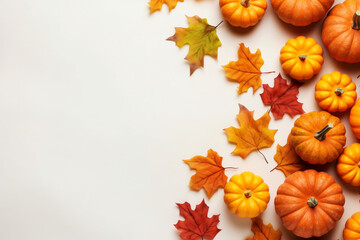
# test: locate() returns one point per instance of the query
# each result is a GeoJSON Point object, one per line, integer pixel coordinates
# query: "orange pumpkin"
{"type": "Point", "coordinates": [246, 195]}
{"type": "Point", "coordinates": [243, 13]}
{"type": "Point", "coordinates": [341, 31]}
{"type": "Point", "coordinates": [355, 119]}
{"type": "Point", "coordinates": [301, 58]}
{"type": "Point", "coordinates": [318, 137]}
{"type": "Point", "coordinates": [301, 13]}
{"type": "Point", "coordinates": [352, 227]}
{"type": "Point", "coordinates": [309, 203]}
{"type": "Point", "coordinates": [335, 92]}
{"type": "Point", "coordinates": [348, 166]}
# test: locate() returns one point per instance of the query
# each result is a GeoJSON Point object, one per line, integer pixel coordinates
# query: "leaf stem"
{"type": "Point", "coordinates": [219, 23]}
{"type": "Point", "coordinates": [273, 169]}
{"type": "Point", "coordinates": [267, 72]}
{"type": "Point", "coordinates": [233, 168]}
{"type": "Point", "coordinates": [263, 156]}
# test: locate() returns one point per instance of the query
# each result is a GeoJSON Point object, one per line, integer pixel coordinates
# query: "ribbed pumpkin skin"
{"type": "Point", "coordinates": [297, 216]}
{"type": "Point", "coordinates": [327, 92]}
{"type": "Point", "coordinates": [301, 13]}
{"type": "Point", "coordinates": [311, 149]}
{"type": "Point", "coordinates": [291, 63]}
{"type": "Point", "coordinates": [348, 166]}
{"type": "Point", "coordinates": [235, 197]}
{"type": "Point", "coordinates": [239, 16]}
{"type": "Point", "coordinates": [352, 227]}
{"type": "Point", "coordinates": [342, 41]}
{"type": "Point", "coordinates": [355, 119]}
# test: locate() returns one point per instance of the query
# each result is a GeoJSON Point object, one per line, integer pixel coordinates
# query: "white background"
{"type": "Point", "coordinates": [98, 111]}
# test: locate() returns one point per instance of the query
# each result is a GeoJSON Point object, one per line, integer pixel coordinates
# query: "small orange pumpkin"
{"type": "Point", "coordinates": [301, 58]}
{"type": "Point", "coordinates": [355, 119]}
{"type": "Point", "coordinates": [243, 13]}
{"type": "Point", "coordinates": [318, 137]}
{"type": "Point", "coordinates": [301, 13]}
{"type": "Point", "coordinates": [335, 92]}
{"type": "Point", "coordinates": [348, 166]}
{"type": "Point", "coordinates": [309, 203]}
{"type": "Point", "coordinates": [341, 31]}
{"type": "Point", "coordinates": [352, 227]}
{"type": "Point", "coordinates": [246, 195]}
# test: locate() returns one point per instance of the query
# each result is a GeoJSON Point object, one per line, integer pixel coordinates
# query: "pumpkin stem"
{"type": "Point", "coordinates": [247, 194]}
{"type": "Point", "coordinates": [312, 202]}
{"type": "Point", "coordinates": [245, 3]}
{"type": "Point", "coordinates": [302, 57]}
{"type": "Point", "coordinates": [321, 135]}
{"type": "Point", "coordinates": [356, 20]}
{"type": "Point", "coordinates": [339, 91]}
{"type": "Point", "coordinates": [359, 164]}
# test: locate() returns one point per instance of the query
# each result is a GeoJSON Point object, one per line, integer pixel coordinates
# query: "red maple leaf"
{"type": "Point", "coordinates": [197, 225]}
{"type": "Point", "coordinates": [282, 98]}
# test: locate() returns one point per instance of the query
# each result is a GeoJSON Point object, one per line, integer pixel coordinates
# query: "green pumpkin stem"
{"type": "Point", "coordinates": [312, 202]}
{"type": "Point", "coordinates": [302, 57]}
{"type": "Point", "coordinates": [339, 91]}
{"type": "Point", "coordinates": [321, 135]}
{"type": "Point", "coordinates": [245, 3]}
{"type": "Point", "coordinates": [247, 194]}
{"type": "Point", "coordinates": [356, 20]}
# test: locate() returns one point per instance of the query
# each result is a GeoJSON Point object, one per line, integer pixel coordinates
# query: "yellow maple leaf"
{"type": "Point", "coordinates": [263, 232]}
{"type": "Point", "coordinates": [201, 38]}
{"type": "Point", "coordinates": [252, 135]}
{"type": "Point", "coordinates": [287, 159]}
{"type": "Point", "coordinates": [210, 174]}
{"type": "Point", "coordinates": [157, 4]}
{"type": "Point", "coordinates": [246, 70]}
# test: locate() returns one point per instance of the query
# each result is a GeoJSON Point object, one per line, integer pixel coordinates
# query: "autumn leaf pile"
{"type": "Point", "coordinates": [251, 135]}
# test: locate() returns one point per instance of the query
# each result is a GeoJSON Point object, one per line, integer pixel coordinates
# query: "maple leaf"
{"type": "Point", "coordinates": [252, 135]}
{"type": "Point", "coordinates": [287, 159]}
{"type": "Point", "coordinates": [263, 232]}
{"type": "Point", "coordinates": [197, 225]}
{"type": "Point", "coordinates": [282, 98]}
{"type": "Point", "coordinates": [210, 173]}
{"type": "Point", "coordinates": [157, 4]}
{"type": "Point", "coordinates": [246, 70]}
{"type": "Point", "coordinates": [201, 38]}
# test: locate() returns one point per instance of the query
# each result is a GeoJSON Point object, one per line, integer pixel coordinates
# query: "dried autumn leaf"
{"type": "Point", "coordinates": [201, 38]}
{"type": "Point", "coordinates": [210, 173]}
{"type": "Point", "coordinates": [157, 4]}
{"type": "Point", "coordinates": [287, 159]}
{"type": "Point", "coordinates": [252, 135]}
{"type": "Point", "coordinates": [282, 98]}
{"type": "Point", "coordinates": [197, 225]}
{"type": "Point", "coordinates": [263, 232]}
{"type": "Point", "coordinates": [246, 70]}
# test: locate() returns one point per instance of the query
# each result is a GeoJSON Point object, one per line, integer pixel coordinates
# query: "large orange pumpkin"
{"type": "Point", "coordinates": [341, 31]}
{"type": "Point", "coordinates": [355, 119]}
{"type": "Point", "coordinates": [309, 203]}
{"type": "Point", "coordinates": [318, 137]}
{"type": "Point", "coordinates": [301, 13]}
{"type": "Point", "coordinates": [243, 13]}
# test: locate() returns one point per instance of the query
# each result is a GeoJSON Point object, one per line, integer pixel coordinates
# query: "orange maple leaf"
{"type": "Point", "coordinates": [252, 135]}
{"type": "Point", "coordinates": [246, 70]}
{"type": "Point", "coordinates": [157, 4]}
{"type": "Point", "coordinates": [210, 174]}
{"type": "Point", "coordinates": [287, 159]}
{"type": "Point", "coordinates": [263, 232]}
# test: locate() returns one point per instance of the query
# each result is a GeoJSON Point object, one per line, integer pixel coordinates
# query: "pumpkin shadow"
{"type": "Point", "coordinates": [349, 68]}
{"type": "Point", "coordinates": [240, 30]}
